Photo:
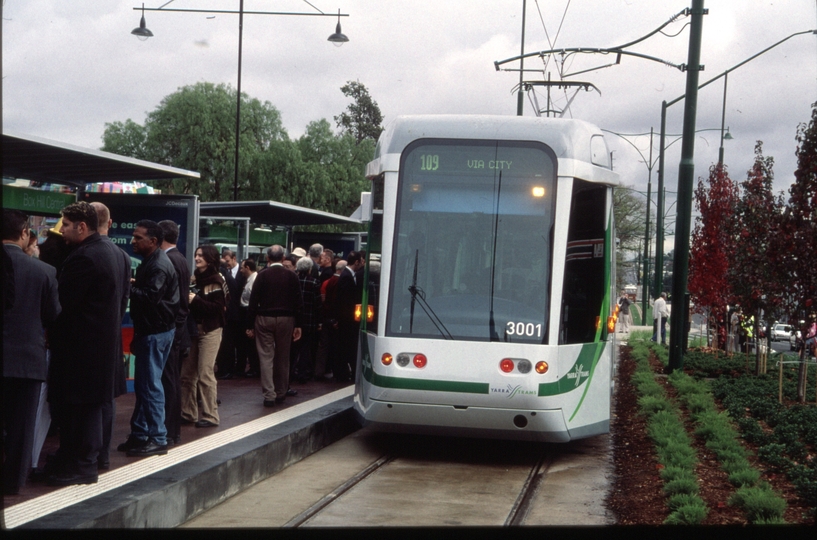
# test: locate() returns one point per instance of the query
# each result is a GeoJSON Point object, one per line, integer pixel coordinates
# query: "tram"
{"type": "Point", "coordinates": [492, 314]}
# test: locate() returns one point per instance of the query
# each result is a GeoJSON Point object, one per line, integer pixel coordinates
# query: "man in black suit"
{"type": "Point", "coordinates": [35, 306]}
{"type": "Point", "coordinates": [227, 352]}
{"type": "Point", "coordinates": [103, 215]}
{"type": "Point", "coordinates": [348, 295]}
{"type": "Point", "coordinates": [171, 375]}
{"type": "Point", "coordinates": [84, 344]}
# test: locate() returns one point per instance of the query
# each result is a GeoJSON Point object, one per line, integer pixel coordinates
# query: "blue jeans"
{"type": "Point", "coordinates": [148, 419]}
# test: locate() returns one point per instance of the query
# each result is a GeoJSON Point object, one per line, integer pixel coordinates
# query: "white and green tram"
{"type": "Point", "coordinates": [493, 305]}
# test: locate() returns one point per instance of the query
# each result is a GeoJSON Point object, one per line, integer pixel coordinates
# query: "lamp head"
{"type": "Point", "coordinates": [338, 38]}
{"type": "Point", "coordinates": [727, 136]}
{"type": "Point", "coordinates": [142, 32]}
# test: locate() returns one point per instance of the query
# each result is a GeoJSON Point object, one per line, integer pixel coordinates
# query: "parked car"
{"type": "Point", "coordinates": [781, 332]}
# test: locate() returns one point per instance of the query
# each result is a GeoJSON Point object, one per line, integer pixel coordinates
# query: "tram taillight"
{"type": "Point", "coordinates": [420, 360]}
{"type": "Point", "coordinates": [506, 365]}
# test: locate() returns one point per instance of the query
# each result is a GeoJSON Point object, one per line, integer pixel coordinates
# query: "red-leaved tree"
{"type": "Point", "coordinates": [712, 248]}
{"type": "Point", "coordinates": [755, 282]}
{"type": "Point", "coordinates": [798, 238]}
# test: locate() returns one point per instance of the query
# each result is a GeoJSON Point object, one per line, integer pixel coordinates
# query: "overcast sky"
{"type": "Point", "coordinates": [71, 66]}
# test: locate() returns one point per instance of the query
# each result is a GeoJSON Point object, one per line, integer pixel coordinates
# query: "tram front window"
{"type": "Point", "coordinates": [472, 246]}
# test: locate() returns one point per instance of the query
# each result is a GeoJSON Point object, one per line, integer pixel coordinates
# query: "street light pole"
{"type": "Point", "coordinates": [521, 95]}
{"type": "Point", "coordinates": [664, 106]}
{"type": "Point", "coordinates": [338, 38]}
{"type": "Point", "coordinates": [238, 99]}
{"type": "Point", "coordinates": [686, 174]}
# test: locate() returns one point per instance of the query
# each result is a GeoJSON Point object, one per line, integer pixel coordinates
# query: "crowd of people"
{"type": "Point", "coordinates": [290, 319]}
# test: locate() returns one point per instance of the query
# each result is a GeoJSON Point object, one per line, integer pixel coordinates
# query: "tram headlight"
{"type": "Point", "coordinates": [506, 365]}
{"type": "Point", "coordinates": [420, 360]}
{"type": "Point", "coordinates": [542, 367]}
{"type": "Point", "coordinates": [403, 359]}
{"type": "Point", "coordinates": [386, 359]}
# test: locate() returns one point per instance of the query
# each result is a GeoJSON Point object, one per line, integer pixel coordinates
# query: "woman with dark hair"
{"type": "Point", "coordinates": [208, 302]}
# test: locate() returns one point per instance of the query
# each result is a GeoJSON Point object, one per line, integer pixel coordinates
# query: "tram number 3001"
{"type": "Point", "coordinates": [522, 329]}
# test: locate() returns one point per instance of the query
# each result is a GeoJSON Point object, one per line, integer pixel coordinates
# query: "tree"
{"type": "Point", "coordinates": [629, 211]}
{"type": "Point", "coordinates": [194, 128]}
{"type": "Point", "coordinates": [754, 280]}
{"type": "Point", "coordinates": [127, 139]}
{"type": "Point", "coordinates": [363, 118]}
{"type": "Point", "coordinates": [713, 248]}
{"type": "Point", "coordinates": [798, 236]}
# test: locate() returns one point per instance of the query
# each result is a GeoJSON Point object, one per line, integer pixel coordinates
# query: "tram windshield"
{"type": "Point", "coordinates": [473, 235]}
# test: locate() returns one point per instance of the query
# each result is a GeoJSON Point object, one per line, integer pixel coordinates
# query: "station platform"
{"type": "Point", "coordinates": [251, 443]}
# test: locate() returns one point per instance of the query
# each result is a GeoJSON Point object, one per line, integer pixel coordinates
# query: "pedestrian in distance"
{"type": "Point", "coordinates": [660, 314]}
{"type": "Point", "coordinates": [624, 312]}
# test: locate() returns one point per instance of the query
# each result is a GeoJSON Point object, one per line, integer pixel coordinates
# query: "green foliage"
{"type": "Point", "coordinates": [194, 129]}
{"type": "Point", "coordinates": [687, 486]}
{"type": "Point", "coordinates": [759, 502]}
{"type": "Point", "coordinates": [744, 477]}
{"type": "Point", "coordinates": [692, 513]}
{"type": "Point", "coordinates": [362, 119]}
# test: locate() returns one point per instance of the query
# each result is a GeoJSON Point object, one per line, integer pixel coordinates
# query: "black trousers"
{"type": "Point", "coordinates": [20, 399]}
{"type": "Point", "coordinates": [171, 382]}
{"type": "Point", "coordinates": [108, 420]}
{"type": "Point", "coordinates": [247, 353]}
{"type": "Point", "coordinates": [346, 357]}
{"type": "Point", "coordinates": [226, 359]}
{"type": "Point", "coordinates": [80, 438]}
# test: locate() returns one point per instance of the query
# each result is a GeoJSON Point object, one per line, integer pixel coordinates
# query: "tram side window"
{"type": "Point", "coordinates": [584, 288]}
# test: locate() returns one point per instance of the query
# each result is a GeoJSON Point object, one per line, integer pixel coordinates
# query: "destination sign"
{"type": "Point", "coordinates": [480, 158]}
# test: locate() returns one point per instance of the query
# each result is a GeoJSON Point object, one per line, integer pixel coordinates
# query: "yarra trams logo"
{"type": "Point", "coordinates": [512, 391]}
{"type": "Point", "coordinates": [578, 373]}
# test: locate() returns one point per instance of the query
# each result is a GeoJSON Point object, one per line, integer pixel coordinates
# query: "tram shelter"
{"type": "Point", "coordinates": [261, 223]}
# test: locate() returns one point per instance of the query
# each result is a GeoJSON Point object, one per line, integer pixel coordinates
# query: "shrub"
{"type": "Point", "coordinates": [759, 503]}
{"type": "Point", "coordinates": [688, 514]}
{"type": "Point", "coordinates": [650, 405]}
{"type": "Point", "coordinates": [774, 455]}
{"type": "Point", "coordinates": [746, 476]}
{"type": "Point", "coordinates": [682, 485]}
{"type": "Point", "coordinates": [674, 472]}
{"type": "Point", "coordinates": [674, 502]}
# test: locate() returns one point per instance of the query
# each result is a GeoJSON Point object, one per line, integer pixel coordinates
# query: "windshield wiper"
{"type": "Point", "coordinates": [417, 295]}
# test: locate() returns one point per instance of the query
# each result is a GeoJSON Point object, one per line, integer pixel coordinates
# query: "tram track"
{"type": "Point", "coordinates": [383, 481]}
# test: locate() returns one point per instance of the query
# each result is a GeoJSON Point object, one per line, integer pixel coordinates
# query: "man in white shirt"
{"type": "Point", "coordinates": [660, 313]}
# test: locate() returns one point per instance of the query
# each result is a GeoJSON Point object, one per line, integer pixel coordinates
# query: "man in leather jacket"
{"type": "Point", "coordinates": [154, 303]}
